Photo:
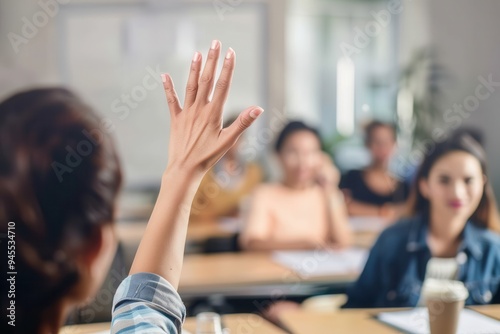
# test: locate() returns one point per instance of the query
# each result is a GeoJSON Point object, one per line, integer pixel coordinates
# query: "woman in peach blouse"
{"type": "Point", "coordinates": [306, 209]}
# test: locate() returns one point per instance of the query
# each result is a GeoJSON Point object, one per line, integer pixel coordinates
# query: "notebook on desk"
{"type": "Point", "coordinates": [316, 263]}
{"type": "Point", "coordinates": [416, 321]}
{"type": "Point", "coordinates": [368, 224]}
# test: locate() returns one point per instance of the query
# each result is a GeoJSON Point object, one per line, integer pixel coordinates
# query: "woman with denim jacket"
{"type": "Point", "coordinates": [454, 217]}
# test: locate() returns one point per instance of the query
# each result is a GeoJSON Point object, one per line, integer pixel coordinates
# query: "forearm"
{"type": "Point", "coordinates": [197, 142]}
{"type": "Point", "coordinates": [161, 249]}
{"type": "Point", "coordinates": [340, 231]}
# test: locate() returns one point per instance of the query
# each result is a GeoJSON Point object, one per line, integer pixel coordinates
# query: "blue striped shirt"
{"type": "Point", "coordinates": [147, 303]}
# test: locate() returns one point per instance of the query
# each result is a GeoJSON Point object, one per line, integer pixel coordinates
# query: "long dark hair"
{"type": "Point", "coordinates": [486, 214]}
{"type": "Point", "coordinates": [59, 177]}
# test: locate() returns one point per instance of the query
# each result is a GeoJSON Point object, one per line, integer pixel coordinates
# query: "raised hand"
{"type": "Point", "coordinates": [197, 139]}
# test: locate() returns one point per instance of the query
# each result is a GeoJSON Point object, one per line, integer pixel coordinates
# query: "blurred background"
{"type": "Point", "coordinates": [429, 66]}
{"type": "Point", "coordinates": [335, 64]}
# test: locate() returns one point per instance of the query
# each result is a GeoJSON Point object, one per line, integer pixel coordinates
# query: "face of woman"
{"type": "Point", "coordinates": [382, 144]}
{"type": "Point", "coordinates": [301, 157]}
{"type": "Point", "coordinates": [454, 186]}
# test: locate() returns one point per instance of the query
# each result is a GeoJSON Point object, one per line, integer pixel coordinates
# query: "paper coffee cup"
{"type": "Point", "coordinates": [208, 323]}
{"type": "Point", "coordinates": [444, 299]}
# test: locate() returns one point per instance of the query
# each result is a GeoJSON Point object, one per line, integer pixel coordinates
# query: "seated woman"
{"type": "Point", "coordinates": [225, 185]}
{"type": "Point", "coordinates": [454, 219]}
{"type": "Point", "coordinates": [306, 209]}
{"type": "Point", "coordinates": [59, 179]}
{"type": "Point", "coordinates": [374, 191]}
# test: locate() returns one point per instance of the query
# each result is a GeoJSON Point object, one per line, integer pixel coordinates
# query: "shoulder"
{"type": "Point", "coordinates": [489, 240]}
{"type": "Point", "coordinates": [396, 235]}
{"type": "Point", "coordinates": [402, 226]}
{"type": "Point", "coordinates": [392, 243]}
{"type": "Point", "coordinates": [483, 234]}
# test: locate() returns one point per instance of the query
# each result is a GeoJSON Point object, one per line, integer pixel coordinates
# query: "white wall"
{"type": "Point", "coordinates": [35, 62]}
{"type": "Point", "coordinates": [466, 36]}
{"type": "Point", "coordinates": [98, 56]}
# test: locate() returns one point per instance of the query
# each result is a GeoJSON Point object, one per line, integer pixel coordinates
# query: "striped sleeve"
{"type": "Point", "coordinates": [147, 303]}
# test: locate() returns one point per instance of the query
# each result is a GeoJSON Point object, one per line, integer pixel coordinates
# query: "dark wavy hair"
{"type": "Point", "coordinates": [291, 128]}
{"type": "Point", "coordinates": [59, 177]}
{"type": "Point", "coordinates": [486, 214]}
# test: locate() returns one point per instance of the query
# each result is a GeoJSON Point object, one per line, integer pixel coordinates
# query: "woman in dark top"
{"type": "Point", "coordinates": [374, 191]}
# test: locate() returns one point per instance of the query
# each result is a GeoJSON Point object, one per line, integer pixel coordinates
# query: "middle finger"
{"type": "Point", "coordinates": [207, 78]}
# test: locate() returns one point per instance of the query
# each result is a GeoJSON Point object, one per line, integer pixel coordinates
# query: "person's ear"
{"type": "Point", "coordinates": [92, 246]}
{"type": "Point", "coordinates": [423, 186]}
{"type": "Point", "coordinates": [101, 252]}
{"type": "Point", "coordinates": [485, 180]}
{"type": "Point", "coordinates": [94, 259]}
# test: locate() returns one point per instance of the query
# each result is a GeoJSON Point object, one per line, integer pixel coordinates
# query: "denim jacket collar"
{"type": "Point", "coordinates": [471, 239]}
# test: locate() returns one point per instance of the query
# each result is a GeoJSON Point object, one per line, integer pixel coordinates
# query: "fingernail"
{"type": "Point", "coordinates": [196, 56]}
{"type": "Point", "coordinates": [256, 112]}
{"type": "Point", "coordinates": [215, 44]}
{"type": "Point", "coordinates": [230, 53]}
{"type": "Point", "coordinates": [164, 77]}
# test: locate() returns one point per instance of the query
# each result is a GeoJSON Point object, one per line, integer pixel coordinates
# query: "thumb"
{"type": "Point", "coordinates": [244, 120]}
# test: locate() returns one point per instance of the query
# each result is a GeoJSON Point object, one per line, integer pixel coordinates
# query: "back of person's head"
{"type": "Point", "coordinates": [59, 178]}
{"type": "Point", "coordinates": [373, 126]}
{"type": "Point", "coordinates": [291, 128]}
{"type": "Point", "coordinates": [486, 214]}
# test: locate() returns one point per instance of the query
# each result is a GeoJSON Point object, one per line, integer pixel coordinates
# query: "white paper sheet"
{"type": "Point", "coordinates": [416, 321]}
{"type": "Point", "coordinates": [231, 224]}
{"type": "Point", "coordinates": [108, 332]}
{"type": "Point", "coordinates": [367, 224]}
{"type": "Point", "coordinates": [316, 263]}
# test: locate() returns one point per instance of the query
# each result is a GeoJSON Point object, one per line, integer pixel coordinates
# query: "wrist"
{"type": "Point", "coordinates": [181, 173]}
